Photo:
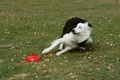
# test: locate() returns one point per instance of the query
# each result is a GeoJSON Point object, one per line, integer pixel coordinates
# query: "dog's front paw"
{"type": "Point", "coordinates": [58, 53]}
{"type": "Point", "coordinates": [45, 51]}
{"type": "Point", "coordinates": [82, 48]}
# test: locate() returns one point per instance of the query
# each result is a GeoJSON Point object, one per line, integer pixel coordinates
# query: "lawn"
{"type": "Point", "coordinates": [29, 26]}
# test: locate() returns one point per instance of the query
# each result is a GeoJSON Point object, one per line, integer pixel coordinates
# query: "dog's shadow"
{"type": "Point", "coordinates": [88, 48]}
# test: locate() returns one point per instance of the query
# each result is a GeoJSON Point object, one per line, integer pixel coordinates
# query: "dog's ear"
{"type": "Point", "coordinates": [89, 25]}
{"type": "Point", "coordinates": [89, 28]}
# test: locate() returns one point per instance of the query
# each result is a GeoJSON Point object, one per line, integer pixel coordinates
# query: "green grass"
{"type": "Point", "coordinates": [30, 26]}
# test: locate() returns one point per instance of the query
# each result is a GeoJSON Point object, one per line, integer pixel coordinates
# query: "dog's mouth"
{"type": "Point", "coordinates": [73, 31]}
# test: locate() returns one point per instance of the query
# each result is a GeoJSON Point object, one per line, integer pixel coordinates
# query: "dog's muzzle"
{"type": "Point", "coordinates": [73, 31]}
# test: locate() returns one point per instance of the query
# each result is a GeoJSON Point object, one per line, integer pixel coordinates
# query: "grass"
{"type": "Point", "coordinates": [28, 26]}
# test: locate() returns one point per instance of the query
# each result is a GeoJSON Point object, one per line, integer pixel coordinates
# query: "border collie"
{"type": "Point", "coordinates": [76, 33]}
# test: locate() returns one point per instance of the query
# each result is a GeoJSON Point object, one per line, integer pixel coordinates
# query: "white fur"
{"type": "Point", "coordinates": [70, 40]}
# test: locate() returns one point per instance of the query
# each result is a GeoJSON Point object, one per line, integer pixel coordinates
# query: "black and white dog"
{"type": "Point", "coordinates": [76, 33]}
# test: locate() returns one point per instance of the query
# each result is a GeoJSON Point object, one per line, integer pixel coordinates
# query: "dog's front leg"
{"type": "Point", "coordinates": [63, 51]}
{"type": "Point", "coordinates": [56, 43]}
{"type": "Point", "coordinates": [61, 47]}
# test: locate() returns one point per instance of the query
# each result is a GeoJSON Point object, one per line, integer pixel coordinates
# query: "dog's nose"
{"type": "Point", "coordinates": [73, 31]}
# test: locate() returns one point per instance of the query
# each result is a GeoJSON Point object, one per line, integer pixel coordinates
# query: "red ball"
{"type": "Point", "coordinates": [33, 58]}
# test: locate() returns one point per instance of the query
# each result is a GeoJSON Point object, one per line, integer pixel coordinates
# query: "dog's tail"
{"type": "Point", "coordinates": [89, 41]}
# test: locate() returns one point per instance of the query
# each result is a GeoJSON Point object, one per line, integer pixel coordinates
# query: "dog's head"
{"type": "Point", "coordinates": [82, 28]}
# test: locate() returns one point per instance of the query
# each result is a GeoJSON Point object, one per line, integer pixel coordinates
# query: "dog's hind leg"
{"type": "Point", "coordinates": [63, 51]}
{"type": "Point", "coordinates": [56, 43]}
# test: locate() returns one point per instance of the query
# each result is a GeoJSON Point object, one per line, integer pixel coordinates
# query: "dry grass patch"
{"type": "Point", "coordinates": [18, 76]}
{"type": "Point", "coordinates": [1, 60]}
